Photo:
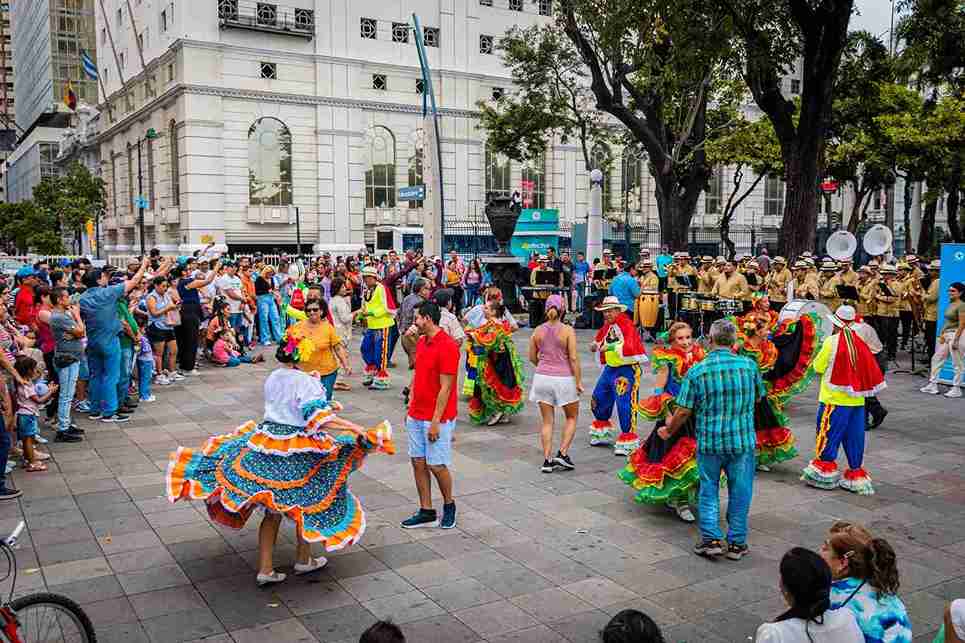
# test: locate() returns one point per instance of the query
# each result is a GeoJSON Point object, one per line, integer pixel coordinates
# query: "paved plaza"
{"type": "Point", "coordinates": [535, 558]}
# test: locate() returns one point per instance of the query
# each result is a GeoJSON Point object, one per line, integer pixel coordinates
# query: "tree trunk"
{"type": "Point", "coordinates": [906, 217]}
{"type": "Point", "coordinates": [725, 236]}
{"type": "Point", "coordinates": [676, 202]}
{"type": "Point", "coordinates": [855, 219]}
{"type": "Point", "coordinates": [926, 238]}
{"type": "Point", "coordinates": [799, 225]}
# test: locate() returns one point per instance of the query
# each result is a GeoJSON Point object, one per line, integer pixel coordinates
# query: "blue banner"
{"type": "Point", "coordinates": [953, 269]}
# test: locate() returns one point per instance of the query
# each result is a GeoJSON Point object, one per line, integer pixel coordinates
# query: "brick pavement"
{"type": "Point", "coordinates": [535, 558]}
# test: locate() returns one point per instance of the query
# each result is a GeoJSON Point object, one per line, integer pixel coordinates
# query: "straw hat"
{"type": "Point", "coordinates": [936, 264]}
{"type": "Point", "coordinates": [610, 303]}
{"type": "Point", "coordinates": [888, 269]}
{"type": "Point", "coordinates": [800, 265]}
{"type": "Point", "coordinates": [843, 316]}
{"type": "Point", "coordinates": [780, 260]}
{"type": "Point", "coordinates": [369, 271]}
{"type": "Point", "coordinates": [829, 266]}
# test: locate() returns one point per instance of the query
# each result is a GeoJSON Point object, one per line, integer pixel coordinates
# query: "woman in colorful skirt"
{"type": "Point", "coordinates": [784, 357]}
{"type": "Point", "coordinates": [289, 465]}
{"type": "Point", "coordinates": [498, 390]}
{"type": "Point", "coordinates": [665, 471]}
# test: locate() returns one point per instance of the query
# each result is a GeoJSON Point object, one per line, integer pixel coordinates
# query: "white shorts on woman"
{"type": "Point", "coordinates": [555, 390]}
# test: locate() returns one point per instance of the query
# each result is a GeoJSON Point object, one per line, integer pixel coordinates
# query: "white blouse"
{"type": "Point", "coordinates": [839, 626]}
{"type": "Point", "coordinates": [286, 389]}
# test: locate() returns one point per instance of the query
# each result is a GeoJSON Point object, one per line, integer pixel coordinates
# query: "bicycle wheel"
{"type": "Point", "coordinates": [50, 618]}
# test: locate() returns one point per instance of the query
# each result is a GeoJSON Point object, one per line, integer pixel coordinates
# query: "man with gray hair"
{"type": "Point", "coordinates": [720, 392]}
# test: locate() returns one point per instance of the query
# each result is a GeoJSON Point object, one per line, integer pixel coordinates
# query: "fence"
{"type": "Point", "coordinates": [701, 241]}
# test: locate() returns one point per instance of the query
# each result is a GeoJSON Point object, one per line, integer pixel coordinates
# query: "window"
{"type": "Point", "coordinates": [269, 71]}
{"type": "Point", "coordinates": [228, 10]}
{"type": "Point", "coordinates": [600, 159]}
{"type": "Point", "coordinates": [267, 14]}
{"type": "Point", "coordinates": [498, 174]}
{"type": "Point", "coordinates": [715, 189]}
{"type": "Point", "coordinates": [175, 162]}
{"type": "Point", "coordinates": [368, 28]}
{"type": "Point", "coordinates": [120, 17]}
{"type": "Point", "coordinates": [630, 181]}
{"type": "Point", "coordinates": [400, 32]}
{"type": "Point", "coordinates": [485, 44]}
{"type": "Point", "coordinates": [164, 20]}
{"type": "Point", "coordinates": [546, 7]}
{"type": "Point", "coordinates": [269, 163]}
{"type": "Point", "coordinates": [795, 86]}
{"type": "Point", "coordinates": [416, 174]}
{"type": "Point", "coordinates": [122, 60]}
{"type": "Point", "coordinates": [773, 196]}
{"type": "Point", "coordinates": [380, 176]}
{"type": "Point", "coordinates": [420, 86]}
{"type": "Point", "coordinates": [430, 36]}
{"type": "Point", "coordinates": [533, 183]}
{"type": "Point", "coordinates": [171, 73]}
{"type": "Point", "coordinates": [380, 82]}
{"type": "Point", "coordinates": [305, 19]}
{"type": "Point", "coordinates": [515, 5]}
{"type": "Point", "coordinates": [485, 3]}
{"type": "Point", "coordinates": [498, 93]}
{"type": "Point", "coordinates": [103, 36]}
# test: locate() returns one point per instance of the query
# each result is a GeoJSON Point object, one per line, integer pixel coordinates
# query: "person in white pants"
{"type": "Point", "coordinates": [950, 343]}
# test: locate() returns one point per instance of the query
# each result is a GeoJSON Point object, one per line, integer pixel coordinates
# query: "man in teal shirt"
{"type": "Point", "coordinates": [625, 287]}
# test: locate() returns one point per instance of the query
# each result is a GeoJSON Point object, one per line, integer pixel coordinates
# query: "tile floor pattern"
{"type": "Point", "coordinates": [535, 558]}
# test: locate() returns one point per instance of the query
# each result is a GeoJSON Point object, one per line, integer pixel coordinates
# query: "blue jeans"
{"type": "Point", "coordinates": [472, 293]}
{"type": "Point", "coordinates": [269, 323]}
{"type": "Point", "coordinates": [68, 384]}
{"type": "Point", "coordinates": [328, 383]}
{"type": "Point", "coordinates": [740, 488]}
{"type": "Point", "coordinates": [145, 371]}
{"type": "Point", "coordinates": [124, 373]}
{"type": "Point", "coordinates": [104, 361]}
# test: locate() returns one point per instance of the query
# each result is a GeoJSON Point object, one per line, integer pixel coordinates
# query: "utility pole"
{"type": "Point", "coordinates": [298, 231]}
{"type": "Point", "coordinates": [140, 201]}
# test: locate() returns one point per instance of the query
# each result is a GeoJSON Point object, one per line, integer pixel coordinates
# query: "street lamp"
{"type": "Point", "coordinates": [150, 135]}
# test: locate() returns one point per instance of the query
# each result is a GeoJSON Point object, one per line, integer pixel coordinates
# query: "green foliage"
{"type": "Point", "coordinates": [750, 144]}
{"type": "Point", "coordinates": [29, 228]}
{"type": "Point", "coordinates": [933, 34]}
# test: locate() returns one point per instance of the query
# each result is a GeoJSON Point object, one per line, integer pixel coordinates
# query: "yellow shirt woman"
{"type": "Point", "coordinates": [324, 340]}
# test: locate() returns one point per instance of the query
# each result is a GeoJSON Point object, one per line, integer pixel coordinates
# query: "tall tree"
{"type": "Point", "coordinates": [70, 200]}
{"type": "Point", "coordinates": [29, 228]}
{"type": "Point", "coordinates": [749, 145]}
{"type": "Point", "coordinates": [661, 69]}
{"type": "Point", "coordinates": [776, 36]}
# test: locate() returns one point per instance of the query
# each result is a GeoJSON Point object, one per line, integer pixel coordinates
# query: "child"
{"type": "Point", "coordinates": [28, 403]}
{"type": "Point", "coordinates": [145, 370]}
{"type": "Point", "coordinates": [224, 353]}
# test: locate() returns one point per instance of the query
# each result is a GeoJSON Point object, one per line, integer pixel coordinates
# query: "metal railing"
{"type": "Point", "coordinates": [266, 16]}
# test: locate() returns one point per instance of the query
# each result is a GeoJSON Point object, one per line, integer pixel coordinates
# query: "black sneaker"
{"type": "Point", "coordinates": [117, 418]}
{"type": "Point", "coordinates": [879, 419]}
{"type": "Point", "coordinates": [76, 430]}
{"type": "Point", "coordinates": [422, 518]}
{"type": "Point", "coordinates": [563, 461]}
{"type": "Point", "coordinates": [9, 494]}
{"type": "Point", "coordinates": [448, 516]}
{"type": "Point", "coordinates": [95, 416]}
{"type": "Point", "coordinates": [709, 548]}
{"type": "Point", "coordinates": [547, 467]}
{"type": "Point", "coordinates": [736, 552]}
{"type": "Point", "coordinates": [67, 436]}
{"type": "Point", "coordinates": [127, 410]}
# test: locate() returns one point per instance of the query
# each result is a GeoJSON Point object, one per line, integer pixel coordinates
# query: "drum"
{"type": "Point", "coordinates": [730, 306]}
{"type": "Point", "coordinates": [794, 309]}
{"type": "Point", "coordinates": [689, 302]}
{"type": "Point", "coordinates": [649, 306]}
{"type": "Point", "coordinates": [707, 303]}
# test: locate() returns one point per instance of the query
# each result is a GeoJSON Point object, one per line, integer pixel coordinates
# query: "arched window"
{"type": "Point", "coordinates": [534, 183]}
{"type": "Point", "coordinates": [269, 163]}
{"type": "Point", "coordinates": [600, 159]}
{"type": "Point", "coordinates": [498, 174]}
{"type": "Point", "coordinates": [380, 176]}
{"type": "Point", "coordinates": [416, 174]}
{"type": "Point", "coordinates": [631, 184]}
{"type": "Point", "coordinates": [175, 163]}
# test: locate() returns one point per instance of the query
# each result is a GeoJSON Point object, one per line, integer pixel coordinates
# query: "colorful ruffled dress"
{"type": "Point", "coordinates": [785, 360]}
{"type": "Point", "coordinates": [665, 471]}
{"type": "Point", "coordinates": [287, 464]}
{"type": "Point", "coordinates": [498, 386]}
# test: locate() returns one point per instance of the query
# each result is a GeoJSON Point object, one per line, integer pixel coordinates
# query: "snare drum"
{"type": "Point", "coordinates": [730, 306]}
{"type": "Point", "coordinates": [707, 303]}
{"type": "Point", "coordinates": [689, 302]}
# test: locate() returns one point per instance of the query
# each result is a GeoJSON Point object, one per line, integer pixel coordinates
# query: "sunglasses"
{"type": "Point", "coordinates": [313, 310]}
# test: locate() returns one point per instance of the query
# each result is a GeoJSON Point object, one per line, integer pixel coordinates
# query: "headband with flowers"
{"type": "Point", "coordinates": [297, 344]}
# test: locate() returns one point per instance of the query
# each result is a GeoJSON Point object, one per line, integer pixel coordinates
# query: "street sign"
{"type": "Point", "coordinates": [141, 202]}
{"type": "Point", "coordinates": [412, 193]}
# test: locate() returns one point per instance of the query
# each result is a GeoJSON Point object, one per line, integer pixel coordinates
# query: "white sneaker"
{"type": "Point", "coordinates": [764, 468]}
{"type": "Point", "coordinates": [313, 565]}
{"type": "Point", "coordinates": [954, 392]}
{"type": "Point", "coordinates": [494, 420]}
{"type": "Point", "coordinates": [162, 380]}
{"type": "Point", "coordinates": [270, 579]}
{"type": "Point", "coordinates": [149, 399]}
{"type": "Point", "coordinates": [176, 376]}
{"type": "Point", "coordinates": [193, 373]}
{"type": "Point", "coordinates": [683, 512]}
{"type": "Point", "coordinates": [931, 388]}
{"type": "Point", "coordinates": [39, 439]}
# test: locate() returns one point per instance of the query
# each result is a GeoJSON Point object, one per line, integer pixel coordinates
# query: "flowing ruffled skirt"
{"type": "Point", "coordinates": [664, 471]}
{"type": "Point", "coordinates": [775, 442]}
{"type": "Point", "coordinates": [284, 469]}
{"type": "Point", "coordinates": [498, 386]}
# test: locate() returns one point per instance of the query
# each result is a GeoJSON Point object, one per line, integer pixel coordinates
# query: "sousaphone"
{"type": "Point", "coordinates": [877, 240]}
{"type": "Point", "coordinates": [841, 245]}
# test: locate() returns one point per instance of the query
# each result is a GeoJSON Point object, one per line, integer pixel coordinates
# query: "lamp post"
{"type": "Point", "coordinates": [150, 135]}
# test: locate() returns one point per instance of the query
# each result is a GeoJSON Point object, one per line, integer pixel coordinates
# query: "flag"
{"type": "Point", "coordinates": [90, 68]}
{"type": "Point", "coordinates": [70, 98]}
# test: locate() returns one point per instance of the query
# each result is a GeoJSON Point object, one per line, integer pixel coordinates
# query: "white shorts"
{"type": "Point", "coordinates": [555, 390]}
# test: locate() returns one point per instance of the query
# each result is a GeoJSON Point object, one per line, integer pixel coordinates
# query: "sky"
{"type": "Point", "coordinates": [875, 17]}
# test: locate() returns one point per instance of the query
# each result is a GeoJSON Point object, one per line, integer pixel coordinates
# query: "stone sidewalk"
{"type": "Point", "coordinates": [535, 557]}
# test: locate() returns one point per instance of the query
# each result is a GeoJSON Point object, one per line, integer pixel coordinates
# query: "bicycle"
{"type": "Point", "coordinates": [41, 617]}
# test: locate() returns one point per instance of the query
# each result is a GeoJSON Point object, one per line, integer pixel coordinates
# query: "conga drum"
{"type": "Point", "coordinates": [648, 306]}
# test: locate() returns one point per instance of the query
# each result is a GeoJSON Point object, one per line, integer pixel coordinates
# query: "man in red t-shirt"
{"type": "Point", "coordinates": [432, 417]}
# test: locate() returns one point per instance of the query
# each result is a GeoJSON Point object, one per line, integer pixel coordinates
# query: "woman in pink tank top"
{"type": "Point", "coordinates": [556, 383]}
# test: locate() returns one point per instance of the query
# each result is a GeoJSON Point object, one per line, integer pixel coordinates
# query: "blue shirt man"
{"type": "Point", "coordinates": [664, 259]}
{"type": "Point", "coordinates": [625, 287]}
{"type": "Point", "coordinates": [580, 269]}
